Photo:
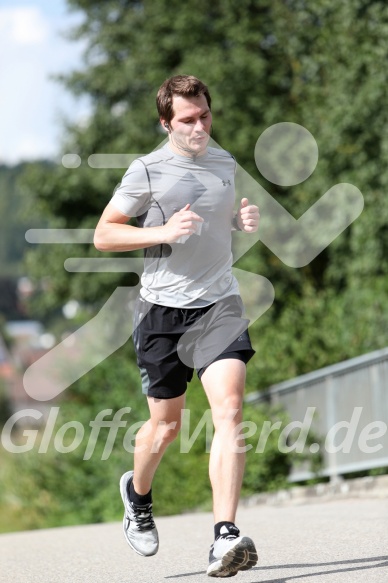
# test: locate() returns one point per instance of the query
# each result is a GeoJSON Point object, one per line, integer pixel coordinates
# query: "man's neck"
{"type": "Point", "coordinates": [186, 151]}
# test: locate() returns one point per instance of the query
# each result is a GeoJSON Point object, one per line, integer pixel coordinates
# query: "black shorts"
{"type": "Point", "coordinates": [171, 342]}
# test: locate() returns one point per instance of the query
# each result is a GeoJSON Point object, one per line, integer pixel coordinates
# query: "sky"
{"type": "Point", "coordinates": [32, 106]}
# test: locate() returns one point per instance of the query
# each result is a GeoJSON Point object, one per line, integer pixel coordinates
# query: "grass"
{"type": "Point", "coordinates": [12, 516]}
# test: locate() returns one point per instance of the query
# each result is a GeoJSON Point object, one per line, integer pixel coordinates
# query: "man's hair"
{"type": "Point", "coordinates": [184, 85]}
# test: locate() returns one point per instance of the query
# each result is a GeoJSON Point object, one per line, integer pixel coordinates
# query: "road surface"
{"type": "Point", "coordinates": [341, 541]}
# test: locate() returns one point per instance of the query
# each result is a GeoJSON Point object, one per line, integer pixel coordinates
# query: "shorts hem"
{"type": "Point", "coordinates": [244, 355]}
{"type": "Point", "coordinates": [159, 394]}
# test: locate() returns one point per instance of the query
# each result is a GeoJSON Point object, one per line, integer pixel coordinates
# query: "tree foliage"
{"type": "Point", "coordinates": [319, 64]}
{"type": "Point", "coordinates": [16, 216]}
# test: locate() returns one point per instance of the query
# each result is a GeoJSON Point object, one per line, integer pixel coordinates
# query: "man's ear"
{"type": "Point", "coordinates": [165, 125]}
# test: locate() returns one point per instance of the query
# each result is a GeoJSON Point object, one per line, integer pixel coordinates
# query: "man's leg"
{"type": "Point", "coordinates": [154, 437]}
{"type": "Point", "coordinates": [135, 487]}
{"type": "Point", "coordinates": [224, 382]}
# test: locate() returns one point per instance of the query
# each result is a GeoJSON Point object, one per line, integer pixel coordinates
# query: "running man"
{"type": "Point", "coordinates": [189, 313]}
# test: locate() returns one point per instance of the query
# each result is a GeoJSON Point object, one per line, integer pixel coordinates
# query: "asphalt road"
{"type": "Point", "coordinates": [343, 541]}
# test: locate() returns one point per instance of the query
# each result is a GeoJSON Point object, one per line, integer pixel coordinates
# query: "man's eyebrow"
{"type": "Point", "coordinates": [188, 117]}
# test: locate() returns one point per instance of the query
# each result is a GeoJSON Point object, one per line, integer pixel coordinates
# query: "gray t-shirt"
{"type": "Point", "coordinates": [195, 271]}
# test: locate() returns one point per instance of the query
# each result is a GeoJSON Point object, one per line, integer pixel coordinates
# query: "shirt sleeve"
{"type": "Point", "coordinates": [132, 196]}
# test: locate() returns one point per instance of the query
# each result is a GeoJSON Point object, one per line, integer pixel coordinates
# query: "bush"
{"type": "Point", "coordinates": [56, 489]}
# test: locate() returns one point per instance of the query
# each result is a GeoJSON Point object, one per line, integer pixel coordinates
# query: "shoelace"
{"type": "Point", "coordinates": [143, 516]}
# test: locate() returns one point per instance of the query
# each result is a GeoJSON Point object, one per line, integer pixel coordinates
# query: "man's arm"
{"type": "Point", "coordinates": [114, 234]}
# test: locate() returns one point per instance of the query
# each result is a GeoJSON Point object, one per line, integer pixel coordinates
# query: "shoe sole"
{"type": "Point", "coordinates": [123, 491]}
{"type": "Point", "coordinates": [239, 558]}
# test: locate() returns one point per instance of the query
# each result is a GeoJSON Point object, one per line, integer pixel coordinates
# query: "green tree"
{"type": "Point", "coordinates": [320, 65]}
{"type": "Point", "coordinates": [17, 214]}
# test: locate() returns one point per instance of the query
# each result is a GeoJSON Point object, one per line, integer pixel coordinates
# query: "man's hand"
{"type": "Point", "coordinates": [248, 216]}
{"type": "Point", "coordinates": [182, 223]}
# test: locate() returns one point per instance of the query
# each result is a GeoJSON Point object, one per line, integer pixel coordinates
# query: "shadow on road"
{"type": "Point", "coordinates": [307, 566]}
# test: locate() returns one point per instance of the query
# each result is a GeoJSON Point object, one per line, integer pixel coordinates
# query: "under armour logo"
{"type": "Point", "coordinates": [226, 182]}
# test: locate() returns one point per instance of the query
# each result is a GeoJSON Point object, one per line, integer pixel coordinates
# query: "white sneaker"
{"type": "Point", "coordinates": [138, 523]}
{"type": "Point", "coordinates": [231, 553]}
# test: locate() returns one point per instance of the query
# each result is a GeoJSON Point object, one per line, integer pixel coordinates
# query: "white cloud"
{"type": "Point", "coordinates": [23, 26]}
{"type": "Point", "coordinates": [31, 50]}
{"type": "Point", "coordinates": [31, 147]}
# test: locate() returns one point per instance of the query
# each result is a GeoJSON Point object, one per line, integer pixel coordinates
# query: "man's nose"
{"type": "Point", "coordinates": [200, 125]}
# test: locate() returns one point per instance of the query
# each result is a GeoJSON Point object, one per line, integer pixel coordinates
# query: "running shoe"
{"type": "Point", "coordinates": [138, 523]}
{"type": "Point", "coordinates": [231, 553]}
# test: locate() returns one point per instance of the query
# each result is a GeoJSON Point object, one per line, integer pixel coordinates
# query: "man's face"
{"type": "Point", "coordinates": [190, 126]}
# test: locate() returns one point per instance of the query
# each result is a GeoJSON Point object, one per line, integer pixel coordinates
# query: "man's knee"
{"type": "Point", "coordinates": [165, 433]}
{"type": "Point", "coordinates": [228, 411]}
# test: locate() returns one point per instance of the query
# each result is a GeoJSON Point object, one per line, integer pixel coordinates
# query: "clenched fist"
{"type": "Point", "coordinates": [248, 216]}
{"type": "Point", "coordinates": [182, 224]}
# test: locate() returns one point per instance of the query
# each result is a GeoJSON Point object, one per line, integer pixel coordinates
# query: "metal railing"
{"type": "Point", "coordinates": [350, 401]}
